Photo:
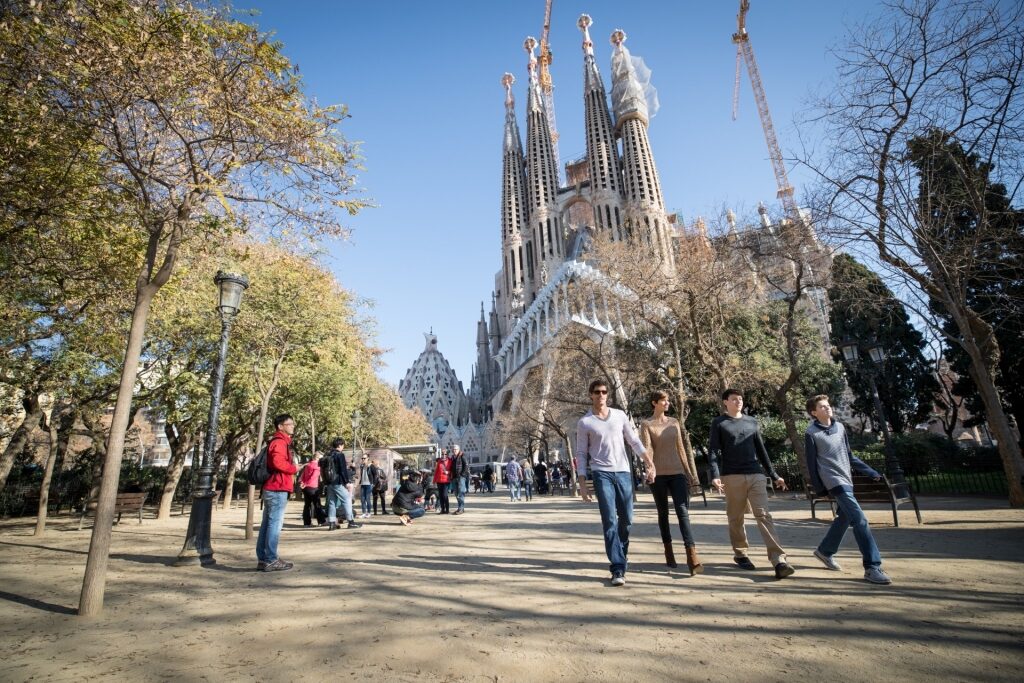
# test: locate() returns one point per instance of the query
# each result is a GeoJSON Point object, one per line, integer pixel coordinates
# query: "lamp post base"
{"type": "Point", "coordinates": [197, 548]}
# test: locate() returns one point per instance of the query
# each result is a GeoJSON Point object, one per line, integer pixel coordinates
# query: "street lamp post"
{"type": "Point", "coordinates": [197, 548]}
{"type": "Point", "coordinates": [851, 354]}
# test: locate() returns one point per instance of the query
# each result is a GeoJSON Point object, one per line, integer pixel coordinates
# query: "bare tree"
{"type": "Point", "coordinates": [932, 83]}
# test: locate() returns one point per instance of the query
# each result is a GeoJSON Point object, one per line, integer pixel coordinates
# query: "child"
{"type": "Point", "coordinates": [830, 462]}
{"type": "Point", "coordinates": [408, 501]}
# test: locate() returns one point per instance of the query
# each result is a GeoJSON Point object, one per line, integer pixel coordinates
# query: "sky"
{"type": "Point", "coordinates": [422, 82]}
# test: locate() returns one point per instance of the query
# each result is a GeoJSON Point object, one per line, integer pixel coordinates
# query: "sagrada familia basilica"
{"type": "Point", "coordinates": [545, 228]}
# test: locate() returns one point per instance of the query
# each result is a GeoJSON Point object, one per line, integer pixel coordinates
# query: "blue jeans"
{"type": "Point", "coordinates": [274, 503]}
{"type": "Point", "coordinates": [460, 495]}
{"type": "Point", "coordinates": [338, 498]}
{"type": "Point", "coordinates": [365, 502]}
{"type": "Point", "coordinates": [528, 489]}
{"type": "Point", "coordinates": [614, 492]}
{"type": "Point", "coordinates": [513, 489]}
{"type": "Point", "coordinates": [850, 515]}
{"type": "Point", "coordinates": [414, 513]}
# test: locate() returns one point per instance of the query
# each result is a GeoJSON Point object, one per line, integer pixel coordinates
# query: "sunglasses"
{"type": "Point", "coordinates": [599, 391]}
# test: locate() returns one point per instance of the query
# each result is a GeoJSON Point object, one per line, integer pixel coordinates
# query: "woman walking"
{"type": "Point", "coordinates": [663, 438]}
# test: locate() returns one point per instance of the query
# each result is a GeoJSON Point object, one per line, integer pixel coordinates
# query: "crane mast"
{"type": "Point", "coordinates": [546, 87]}
{"type": "Point", "coordinates": [745, 52]}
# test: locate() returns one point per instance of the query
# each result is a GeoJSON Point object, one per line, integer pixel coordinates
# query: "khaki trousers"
{"type": "Point", "coordinates": [741, 489]}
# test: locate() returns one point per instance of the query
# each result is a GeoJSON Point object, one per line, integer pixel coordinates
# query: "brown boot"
{"type": "Point", "coordinates": [670, 557]}
{"type": "Point", "coordinates": [692, 561]}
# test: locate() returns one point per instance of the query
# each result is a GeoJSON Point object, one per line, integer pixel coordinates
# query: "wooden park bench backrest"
{"type": "Point", "coordinates": [129, 502]}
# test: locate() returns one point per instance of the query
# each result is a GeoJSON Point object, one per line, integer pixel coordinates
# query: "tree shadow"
{"type": "Point", "coordinates": [37, 604]}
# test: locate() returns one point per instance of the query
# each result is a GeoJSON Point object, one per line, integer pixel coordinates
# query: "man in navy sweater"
{"type": "Point", "coordinates": [831, 461]}
{"type": "Point", "coordinates": [739, 462]}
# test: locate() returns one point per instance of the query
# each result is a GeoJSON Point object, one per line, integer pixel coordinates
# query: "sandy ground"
{"type": "Point", "coordinates": [519, 592]}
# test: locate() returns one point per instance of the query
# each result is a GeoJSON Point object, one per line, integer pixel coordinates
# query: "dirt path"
{"type": "Point", "coordinates": [520, 593]}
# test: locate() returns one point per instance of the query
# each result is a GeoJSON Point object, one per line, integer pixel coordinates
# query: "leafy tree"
{"type": "Point", "coordinates": [863, 309]}
{"type": "Point", "coordinates": [200, 126]}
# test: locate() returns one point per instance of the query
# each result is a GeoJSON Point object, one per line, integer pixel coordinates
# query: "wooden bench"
{"type": "Point", "coordinates": [125, 502]}
{"type": "Point", "coordinates": [867, 490]}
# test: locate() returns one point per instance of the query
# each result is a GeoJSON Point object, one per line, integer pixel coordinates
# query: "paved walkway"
{"type": "Point", "coordinates": [519, 592]}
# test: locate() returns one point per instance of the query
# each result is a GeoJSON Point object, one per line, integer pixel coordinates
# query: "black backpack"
{"type": "Point", "coordinates": [258, 472]}
{"type": "Point", "coordinates": [329, 470]}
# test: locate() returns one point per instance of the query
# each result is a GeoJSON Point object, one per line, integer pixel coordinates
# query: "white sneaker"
{"type": "Point", "coordinates": [618, 580]}
{"type": "Point", "coordinates": [827, 561]}
{"type": "Point", "coordinates": [876, 575]}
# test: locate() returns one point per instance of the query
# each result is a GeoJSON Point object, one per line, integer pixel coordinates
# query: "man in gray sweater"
{"type": "Point", "coordinates": [831, 461]}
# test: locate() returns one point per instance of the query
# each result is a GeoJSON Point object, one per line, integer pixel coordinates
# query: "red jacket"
{"type": "Point", "coordinates": [279, 462]}
{"type": "Point", "coordinates": [442, 470]}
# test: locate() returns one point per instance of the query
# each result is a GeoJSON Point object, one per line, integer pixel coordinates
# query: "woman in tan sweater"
{"type": "Point", "coordinates": [663, 439]}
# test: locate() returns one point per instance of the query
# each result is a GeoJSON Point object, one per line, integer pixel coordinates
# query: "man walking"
{"type": "Point", "coordinates": [379, 477]}
{"type": "Point", "coordinates": [514, 476]}
{"type": "Point", "coordinates": [365, 487]}
{"type": "Point", "coordinates": [335, 475]}
{"type": "Point", "coordinates": [831, 461]}
{"type": "Point", "coordinates": [602, 462]}
{"type": "Point", "coordinates": [736, 443]}
{"type": "Point", "coordinates": [460, 478]}
{"type": "Point", "coordinates": [281, 465]}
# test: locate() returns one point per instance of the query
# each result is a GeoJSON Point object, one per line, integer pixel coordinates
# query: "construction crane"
{"type": "Point", "coordinates": [546, 88]}
{"type": "Point", "coordinates": [745, 52]}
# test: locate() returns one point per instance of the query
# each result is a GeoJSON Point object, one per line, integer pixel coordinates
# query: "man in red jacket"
{"type": "Point", "coordinates": [281, 464]}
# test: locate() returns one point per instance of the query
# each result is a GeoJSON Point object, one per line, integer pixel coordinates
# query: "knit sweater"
{"type": "Point", "coordinates": [599, 443]}
{"type": "Point", "coordinates": [737, 443]}
{"type": "Point", "coordinates": [665, 443]}
{"type": "Point", "coordinates": [829, 457]}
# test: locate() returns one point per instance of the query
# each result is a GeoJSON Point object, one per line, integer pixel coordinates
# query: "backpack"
{"type": "Point", "coordinates": [382, 480]}
{"type": "Point", "coordinates": [328, 470]}
{"type": "Point", "coordinates": [259, 472]}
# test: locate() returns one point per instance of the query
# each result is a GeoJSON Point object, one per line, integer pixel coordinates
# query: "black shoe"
{"type": "Point", "coordinates": [744, 563]}
{"type": "Point", "coordinates": [783, 569]}
{"type": "Point", "coordinates": [261, 565]}
{"type": "Point", "coordinates": [278, 565]}
{"type": "Point", "coordinates": [332, 526]}
{"type": "Point", "coordinates": [354, 525]}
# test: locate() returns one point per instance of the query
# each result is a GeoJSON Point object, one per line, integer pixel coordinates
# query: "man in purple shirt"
{"type": "Point", "coordinates": [601, 461]}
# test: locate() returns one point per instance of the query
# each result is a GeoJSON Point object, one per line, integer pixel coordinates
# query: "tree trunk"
{"type": "Point", "coordinates": [229, 484]}
{"type": "Point", "coordinates": [180, 446]}
{"type": "Point", "coordinates": [795, 438]}
{"type": "Point", "coordinates": [20, 438]}
{"type": "Point", "coordinates": [95, 580]}
{"type": "Point", "coordinates": [999, 424]}
{"type": "Point", "coordinates": [44, 489]}
{"type": "Point", "coordinates": [99, 456]}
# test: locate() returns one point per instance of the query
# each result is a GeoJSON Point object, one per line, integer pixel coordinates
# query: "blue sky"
{"type": "Point", "coordinates": [422, 83]}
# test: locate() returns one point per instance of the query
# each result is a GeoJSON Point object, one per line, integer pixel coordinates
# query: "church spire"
{"type": "Point", "coordinates": [543, 240]}
{"type": "Point", "coordinates": [602, 152]}
{"type": "Point", "coordinates": [635, 101]}
{"type": "Point", "coordinates": [513, 202]}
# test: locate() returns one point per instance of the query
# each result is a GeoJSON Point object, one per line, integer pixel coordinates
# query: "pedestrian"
{"type": "Point", "coordinates": [379, 477]}
{"type": "Point", "coordinates": [600, 438]}
{"type": "Point", "coordinates": [662, 436]}
{"type": "Point", "coordinates": [541, 473]}
{"type": "Point", "coordinates": [309, 480]}
{"type": "Point", "coordinates": [442, 467]}
{"type": "Point", "coordinates": [335, 475]}
{"type": "Point", "coordinates": [831, 462]}
{"type": "Point", "coordinates": [460, 477]}
{"type": "Point", "coordinates": [556, 478]}
{"type": "Point", "coordinates": [488, 478]}
{"type": "Point", "coordinates": [281, 466]}
{"type": "Point", "coordinates": [527, 479]}
{"type": "Point", "coordinates": [514, 478]}
{"type": "Point", "coordinates": [408, 501]}
{"type": "Point", "coordinates": [365, 486]}
{"type": "Point", "coordinates": [736, 442]}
